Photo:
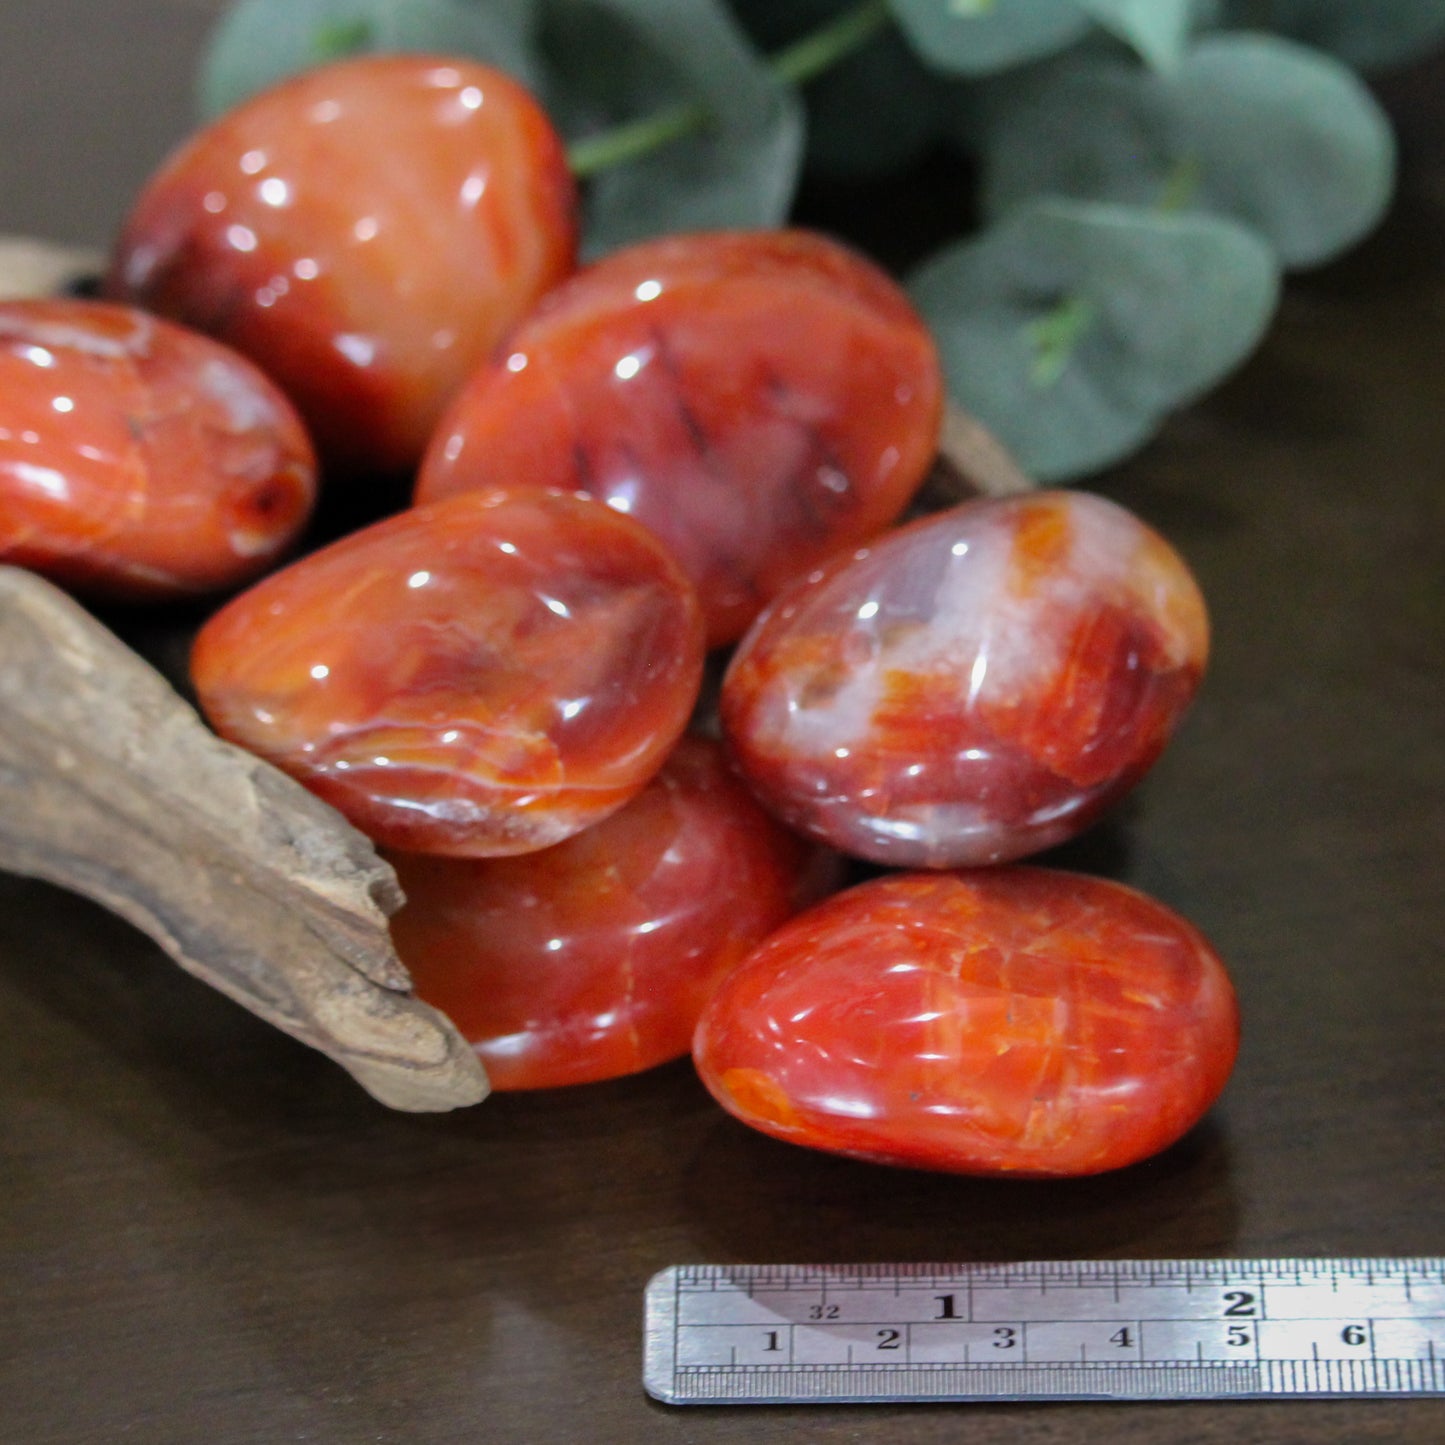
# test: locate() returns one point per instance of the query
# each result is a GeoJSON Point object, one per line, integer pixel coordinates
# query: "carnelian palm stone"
{"type": "Point", "coordinates": [1002, 1021]}
{"type": "Point", "coordinates": [593, 959]}
{"type": "Point", "coordinates": [759, 398]}
{"type": "Point", "coordinates": [483, 676]}
{"type": "Point", "coordinates": [970, 688]}
{"type": "Point", "coordinates": [139, 460]}
{"type": "Point", "coordinates": [366, 232]}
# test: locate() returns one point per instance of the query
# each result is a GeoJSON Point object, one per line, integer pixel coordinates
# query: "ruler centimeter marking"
{"type": "Point", "coordinates": [1175, 1329]}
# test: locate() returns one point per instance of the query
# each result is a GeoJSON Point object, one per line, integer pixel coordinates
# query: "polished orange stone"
{"type": "Point", "coordinates": [138, 459]}
{"type": "Point", "coordinates": [759, 399]}
{"type": "Point", "coordinates": [593, 959]}
{"type": "Point", "coordinates": [1005, 1021]}
{"type": "Point", "coordinates": [366, 232]}
{"type": "Point", "coordinates": [487, 675]}
{"type": "Point", "coordinates": [970, 688]}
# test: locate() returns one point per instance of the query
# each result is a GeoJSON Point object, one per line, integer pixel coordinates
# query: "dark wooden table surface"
{"type": "Point", "coordinates": [209, 1234]}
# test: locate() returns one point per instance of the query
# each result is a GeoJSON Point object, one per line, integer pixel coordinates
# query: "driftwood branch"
{"type": "Point", "coordinates": [111, 786]}
{"type": "Point", "coordinates": [41, 268]}
{"type": "Point", "coordinates": [971, 462]}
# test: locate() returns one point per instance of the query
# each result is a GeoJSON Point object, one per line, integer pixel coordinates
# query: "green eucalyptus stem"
{"type": "Point", "coordinates": [1180, 185]}
{"type": "Point", "coordinates": [636, 138]}
{"type": "Point", "coordinates": [342, 37]}
{"type": "Point", "coordinates": [1056, 334]}
{"type": "Point", "coordinates": [799, 62]}
{"type": "Point", "coordinates": [793, 65]}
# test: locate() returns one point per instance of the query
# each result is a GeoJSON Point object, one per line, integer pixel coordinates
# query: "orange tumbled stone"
{"type": "Point", "coordinates": [973, 687]}
{"type": "Point", "coordinates": [593, 959]}
{"type": "Point", "coordinates": [484, 676]}
{"type": "Point", "coordinates": [1006, 1021]}
{"type": "Point", "coordinates": [139, 460]}
{"type": "Point", "coordinates": [365, 232]}
{"type": "Point", "coordinates": [760, 399]}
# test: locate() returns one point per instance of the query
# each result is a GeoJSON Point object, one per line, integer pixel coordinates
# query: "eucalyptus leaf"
{"type": "Point", "coordinates": [978, 37]}
{"type": "Point", "coordinates": [259, 42]}
{"type": "Point", "coordinates": [1370, 34]}
{"type": "Point", "coordinates": [874, 112]}
{"type": "Point", "coordinates": [609, 62]}
{"type": "Point", "coordinates": [1072, 328]}
{"type": "Point", "coordinates": [1252, 126]}
{"type": "Point", "coordinates": [1158, 29]}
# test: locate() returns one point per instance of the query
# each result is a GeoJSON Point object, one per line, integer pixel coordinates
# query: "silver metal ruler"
{"type": "Point", "coordinates": [1176, 1329]}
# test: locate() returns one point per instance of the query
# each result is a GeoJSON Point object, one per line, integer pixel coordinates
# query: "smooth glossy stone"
{"type": "Point", "coordinates": [973, 687]}
{"type": "Point", "coordinates": [593, 959]}
{"type": "Point", "coordinates": [366, 232]}
{"type": "Point", "coordinates": [140, 460]}
{"type": "Point", "coordinates": [484, 676]}
{"type": "Point", "coordinates": [759, 399]}
{"type": "Point", "coordinates": [1005, 1021]}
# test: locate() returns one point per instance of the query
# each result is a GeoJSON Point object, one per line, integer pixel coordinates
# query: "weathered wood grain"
{"type": "Point", "coordinates": [110, 785]}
